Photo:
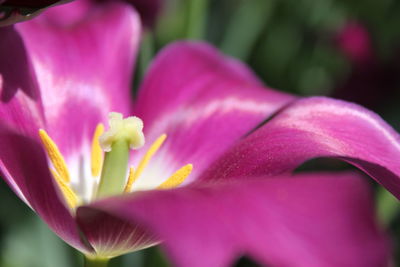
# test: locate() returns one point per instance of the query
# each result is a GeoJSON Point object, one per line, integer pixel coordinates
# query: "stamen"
{"type": "Point", "coordinates": [97, 152]}
{"type": "Point", "coordinates": [177, 178]}
{"type": "Point", "coordinates": [55, 156]}
{"type": "Point", "coordinates": [69, 195]}
{"type": "Point", "coordinates": [131, 180]}
{"type": "Point", "coordinates": [149, 154]}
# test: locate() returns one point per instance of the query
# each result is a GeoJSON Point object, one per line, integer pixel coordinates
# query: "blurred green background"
{"type": "Point", "coordinates": [293, 46]}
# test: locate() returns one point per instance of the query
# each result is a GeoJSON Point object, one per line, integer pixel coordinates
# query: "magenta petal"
{"type": "Point", "coordinates": [203, 101]}
{"type": "Point", "coordinates": [312, 220]}
{"type": "Point", "coordinates": [317, 127]}
{"type": "Point", "coordinates": [83, 65]}
{"type": "Point", "coordinates": [23, 165]}
{"type": "Point", "coordinates": [184, 65]}
{"type": "Point", "coordinates": [111, 236]}
{"type": "Point", "coordinates": [20, 104]}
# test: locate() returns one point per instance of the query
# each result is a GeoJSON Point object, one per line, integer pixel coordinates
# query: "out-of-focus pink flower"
{"type": "Point", "coordinates": [371, 81]}
{"type": "Point", "coordinates": [239, 199]}
{"type": "Point", "coordinates": [355, 42]}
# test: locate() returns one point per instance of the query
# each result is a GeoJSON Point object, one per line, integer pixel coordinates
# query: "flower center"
{"type": "Point", "coordinates": [109, 160]}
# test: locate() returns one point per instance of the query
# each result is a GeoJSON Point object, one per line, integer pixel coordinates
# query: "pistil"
{"type": "Point", "coordinates": [113, 174]}
{"type": "Point", "coordinates": [123, 135]}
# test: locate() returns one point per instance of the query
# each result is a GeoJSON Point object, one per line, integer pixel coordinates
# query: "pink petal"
{"type": "Point", "coordinates": [317, 127]}
{"type": "Point", "coordinates": [111, 236]}
{"type": "Point", "coordinates": [24, 166]}
{"type": "Point", "coordinates": [203, 101]}
{"type": "Point", "coordinates": [20, 104]}
{"type": "Point", "coordinates": [313, 220]}
{"type": "Point", "coordinates": [83, 66]}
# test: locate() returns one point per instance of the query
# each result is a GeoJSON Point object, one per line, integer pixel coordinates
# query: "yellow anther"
{"type": "Point", "coordinates": [177, 178]}
{"type": "Point", "coordinates": [69, 195]}
{"type": "Point", "coordinates": [97, 152]}
{"type": "Point", "coordinates": [131, 179]}
{"type": "Point", "coordinates": [149, 154]}
{"type": "Point", "coordinates": [55, 156]}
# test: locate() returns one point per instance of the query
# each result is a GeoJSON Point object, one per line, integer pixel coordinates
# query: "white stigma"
{"type": "Point", "coordinates": [129, 129]}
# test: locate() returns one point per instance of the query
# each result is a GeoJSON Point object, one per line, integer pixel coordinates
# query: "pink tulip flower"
{"type": "Point", "coordinates": [213, 180]}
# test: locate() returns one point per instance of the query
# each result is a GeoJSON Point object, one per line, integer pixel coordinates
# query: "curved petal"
{"type": "Point", "coordinates": [83, 65]}
{"type": "Point", "coordinates": [111, 236]}
{"type": "Point", "coordinates": [203, 101]}
{"type": "Point", "coordinates": [20, 103]}
{"type": "Point", "coordinates": [317, 127]}
{"type": "Point", "coordinates": [24, 166]}
{"type": "Point", "coordinates": [312, 220]}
